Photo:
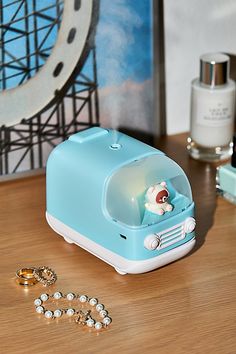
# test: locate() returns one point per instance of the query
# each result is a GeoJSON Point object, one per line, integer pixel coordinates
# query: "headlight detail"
{"type": "Point", "coordinates": [189, 225]}
{"type": "Point", "coordinates": [152, 242]}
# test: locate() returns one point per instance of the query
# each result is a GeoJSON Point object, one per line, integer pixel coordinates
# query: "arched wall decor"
{"type": "Point", "coordinates": [49, 77]}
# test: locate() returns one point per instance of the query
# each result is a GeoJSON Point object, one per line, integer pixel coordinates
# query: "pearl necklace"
{"type": "Point", "coordinates": [83, 317]}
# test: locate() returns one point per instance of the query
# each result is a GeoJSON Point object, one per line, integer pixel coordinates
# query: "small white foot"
{"type": "Point", "coordinates": [68, 240]}
{"type": "Point", "coordinates": [120, 271]}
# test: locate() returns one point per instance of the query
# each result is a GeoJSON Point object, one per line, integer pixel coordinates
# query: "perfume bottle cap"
{"type": "Point", "coordinates": [214, 69]}
{"type": "Point", "coordinates": [233, 158]}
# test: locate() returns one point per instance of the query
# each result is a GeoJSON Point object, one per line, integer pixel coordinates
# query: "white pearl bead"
{"type": "Point", "coordinates": [103, 313]}
{"type": "Point", "coordinates": [90, 322]}
{"type": "Point", "coordinates": [57, 313]}
{"type": "Point", "coordinates": [57, 295]}
{"type": "Point", "coordinates": [93, 301]}
{"type": "Point", "coordinates": [106, 321]}
{"type": "Point", "coordinates": [37, 302]}
{"type": "Point", "coordinates": [99, 307]}
{"type": "Point", "coordinates": [44, 297]}
{"type": "Point", "coordinates": [98, 325]}
{"type": "Point", "coordinates": [83, 298]}
{"type": "Point", "coordinates": [70, 312]}
{"type": "Point", "coordinates": [48, 314]}
{"type": "Point", "coordinates": [70, 296]}
{"type": "Point", "coordinates": [39, 309]}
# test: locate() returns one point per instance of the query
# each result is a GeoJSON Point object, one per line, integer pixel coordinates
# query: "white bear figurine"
{"type": "Point", "coordinates": [157, 199]}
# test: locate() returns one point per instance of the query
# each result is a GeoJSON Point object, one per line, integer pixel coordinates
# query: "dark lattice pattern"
{"type": "Point", "coordinates": [31, 26]}
{"type": "Point", "coordinates": [26, 145]}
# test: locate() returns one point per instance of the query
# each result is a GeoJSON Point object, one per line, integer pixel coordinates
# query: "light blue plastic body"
{"type": "Point", "coordinates": [98, 189]}
{"type": "Point", "coordinates": [227, 178]}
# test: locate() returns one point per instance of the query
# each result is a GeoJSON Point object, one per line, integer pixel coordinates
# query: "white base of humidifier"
{"type": "Point", "coordinates": [121, 264]}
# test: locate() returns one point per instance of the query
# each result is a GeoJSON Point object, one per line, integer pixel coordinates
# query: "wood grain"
{"type": "Point", "coordinates": [186, 307]}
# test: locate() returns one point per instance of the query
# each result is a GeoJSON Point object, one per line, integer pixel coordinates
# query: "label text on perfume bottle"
{"type": "Point", "coordinates": [214, 113]}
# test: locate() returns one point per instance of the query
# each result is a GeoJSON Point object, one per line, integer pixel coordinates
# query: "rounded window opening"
{"type": "Point", "coordinates": [126, 191]}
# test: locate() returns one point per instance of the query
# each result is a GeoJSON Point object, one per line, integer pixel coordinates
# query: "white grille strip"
{"type": "Point", "coordinates": [163, 236]}
{"type": "Point", "coordinates": [166, 244]}
{"type": "Point", "coordinates": [179, 234]}
{"type": "Point", "coordinates": [172, 235]}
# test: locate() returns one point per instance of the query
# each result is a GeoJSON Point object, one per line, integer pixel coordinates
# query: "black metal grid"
{"type": "Point", "coordinates": [26, 24]}
{"type": "Point", "coordinates": [26, 145]}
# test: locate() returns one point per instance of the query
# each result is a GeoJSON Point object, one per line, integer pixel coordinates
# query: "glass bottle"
{"type": "Point", "coordinates": [212, 110]}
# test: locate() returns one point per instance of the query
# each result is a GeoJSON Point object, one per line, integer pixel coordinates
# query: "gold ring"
{"type": "Point", "coordinates": [25, 276]}
{"type": "Point", "coordinates": [45, 275]}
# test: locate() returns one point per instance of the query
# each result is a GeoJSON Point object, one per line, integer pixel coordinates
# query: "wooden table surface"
{"type": "Point", "coordinates": [186, 307]}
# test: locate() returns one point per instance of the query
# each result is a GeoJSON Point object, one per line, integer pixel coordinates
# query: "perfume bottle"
{"type": "Point", "coordinates": [212, 110]}
{"type": "Point", "coordinates": [226, 177]}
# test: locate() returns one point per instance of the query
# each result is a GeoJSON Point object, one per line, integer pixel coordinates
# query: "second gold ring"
{"type": "Point", "coordinates": [25, 276]}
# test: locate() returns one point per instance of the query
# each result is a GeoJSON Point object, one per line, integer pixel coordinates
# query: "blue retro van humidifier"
{"type": "Point", "coordinates": [122, 200]}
